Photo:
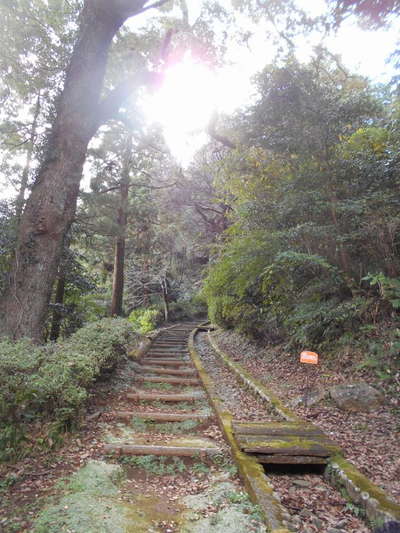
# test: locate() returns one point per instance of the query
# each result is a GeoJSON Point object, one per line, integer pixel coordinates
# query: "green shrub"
{"type": "Point", "coordinates": [51, 382]}
{"type": "Point", "coordinates": [191, 309]}
{"type": "Point", "coordinates": [145, 320]}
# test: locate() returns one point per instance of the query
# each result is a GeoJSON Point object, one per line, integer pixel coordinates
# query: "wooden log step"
{"type": "Point", "coordinates": [160, 416]}
{"type": "Point", "coordinates": [168, 371]}
{"type": "Point", "coordinates": [279, 459]}
{"type": "Point", "coordinates": [174, 353]}
{"type": "Point", "coordinates": [170, 356]}
{"type": "Point", "coordinates": [166, 362]}
{"type": "Point", "coordinates": [153, 396]}
{"type": "Point", "coordinates": [147, 449]}
{"type": "Point", "coordinates": [168, 351]}
{"type": "Point", "coordinates": [170, 338]}
{"type": "Point", "coordinates": [171, 380]}
{"type": "Point", "coordinates": [172, 344]}
{"type": "Point", "coordinates": [276, 428]}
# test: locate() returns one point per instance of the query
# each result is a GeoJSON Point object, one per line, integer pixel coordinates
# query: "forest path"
{"type": "Point", "coordinates": [155, 460]}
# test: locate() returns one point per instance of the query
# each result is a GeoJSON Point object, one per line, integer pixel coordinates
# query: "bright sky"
{"type": "Point", "coordinates": [191, 92]}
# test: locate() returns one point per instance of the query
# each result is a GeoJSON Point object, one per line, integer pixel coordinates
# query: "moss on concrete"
{"type": "Point", "coordinates": [252, 473]}
{"type": "Point", "coordinates": [361, 490]}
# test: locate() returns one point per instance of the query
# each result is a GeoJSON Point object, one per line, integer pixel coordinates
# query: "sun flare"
{"type": "Point", "coordinates": [183, 106]}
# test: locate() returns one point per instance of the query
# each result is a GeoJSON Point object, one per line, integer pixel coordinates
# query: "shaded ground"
{"type": "Point", "coordinates": [312, 504]}
{"type": "Point", "coordinates": [370, 440]}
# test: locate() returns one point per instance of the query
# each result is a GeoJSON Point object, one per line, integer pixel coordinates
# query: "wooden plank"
{"type": "Point", "coordinates": [285, 440]}
{"type": "Point", "coordinates": [275, 428]}
{"type": "Point", "coordinates": [171, 380]}
{"type": "Point", "coordinates": [261, 448]}
{"type": "Point", "coordinates": [159, 416]}
{"type": "Point", "coordinates": [148, 449]}
{"type": "Point", "coordinates": [149, 396]}
{"type": "Point", "coordinates": [279, 459]}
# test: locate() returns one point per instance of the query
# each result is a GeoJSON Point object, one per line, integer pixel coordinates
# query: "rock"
{"type": "Point", "coordinates": [317, 523]}
{"type": "Point", "coordinates": [335, 530]}
{"type": "Point", "coordinates": [309, 399]}
{"type": "Point", "coordinates": [301, 483]}
{"type": "Point", "coordinates": [356, 397]}
{"type": "Point", "coordinates": [305, 513]}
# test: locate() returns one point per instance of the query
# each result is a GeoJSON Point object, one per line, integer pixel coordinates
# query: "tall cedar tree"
{"type": "Point", "coordinates": [51, 206]}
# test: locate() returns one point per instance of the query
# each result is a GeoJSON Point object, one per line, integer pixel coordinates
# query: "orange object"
{"type": "Point", "coordinates": [309, 357]}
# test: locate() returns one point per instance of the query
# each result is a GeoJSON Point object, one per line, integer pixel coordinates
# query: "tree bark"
{"type": "Point", "coordinates": [51, 206]}
{"type": "Point", "coordinates": [122, 220]}
{"type": "Point", "coordinates": [20, 201]}
{"type": "Point", "coordinates": [164, 291]}
{"type": "Point", "coordinates": [57, 316]}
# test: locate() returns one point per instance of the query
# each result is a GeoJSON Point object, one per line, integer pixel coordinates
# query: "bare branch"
{"type": "Point", "coordinates": [220, 138]}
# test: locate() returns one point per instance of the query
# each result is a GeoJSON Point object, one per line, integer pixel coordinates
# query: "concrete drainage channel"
{"type": "Point", "coordinates": [172, 451]}
{"type": "Point", "coordinates": [337, 480]}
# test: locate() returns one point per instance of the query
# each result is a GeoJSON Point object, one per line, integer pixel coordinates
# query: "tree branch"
{"type": "Point", "coordinates": [220, 138]}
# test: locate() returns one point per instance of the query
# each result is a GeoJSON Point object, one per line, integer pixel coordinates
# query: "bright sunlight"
{"type": "Point", "coordinates": [183, 106]}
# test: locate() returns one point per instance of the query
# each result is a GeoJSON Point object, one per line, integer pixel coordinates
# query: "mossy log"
{"type": "Point", "coordinates": [169, 371]}
{"type": "Point", "coordinates": [171, 380]}
{"type": "Point", "coordinates": [150, 396]}
{"type": "Point", "coordinates": [158, 416]}
{"type": "Point", "coordinates": [147, 449]}
{"type": "Point", "coordinates": [166, 362]}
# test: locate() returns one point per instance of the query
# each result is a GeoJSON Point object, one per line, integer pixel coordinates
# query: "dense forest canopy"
{"type": "Point", "coordinates": [284, 223]}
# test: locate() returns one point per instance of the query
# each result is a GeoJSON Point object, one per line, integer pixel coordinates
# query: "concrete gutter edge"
{"type": "Point", "coordinates": [251, 471]}
{"type": "Point", "coordinates": [375, 504]}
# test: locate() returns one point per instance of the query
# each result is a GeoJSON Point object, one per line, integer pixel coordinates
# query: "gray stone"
{"type": "Point", "coordinates": [301, 483]}
{"type": "Point", "coordinates": [317, 523]}
{"type": "Point", "coordinates": [356, 397]}
{"type": "Point", "coordinates": [309, 399]}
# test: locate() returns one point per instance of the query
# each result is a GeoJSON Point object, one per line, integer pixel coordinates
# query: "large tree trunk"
{"type": "Point", "coordinates": [51, 206]}
{"type": "Point", "coordinates": [122, 220]}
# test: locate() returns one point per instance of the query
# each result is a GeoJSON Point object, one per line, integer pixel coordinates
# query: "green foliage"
{"type": "Point", "coordinates": [389, 288]}
{"type": "Point", "coordinates": [51, 382]}
{"type": "Point", "coordinates": [7, 239]}
{"type": "Point", "coordinates": [315, 211]}
{"type": "Point", "coordinates": [145, 320]}
{"type": "Point", "coordinates": [187, 309]}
